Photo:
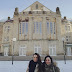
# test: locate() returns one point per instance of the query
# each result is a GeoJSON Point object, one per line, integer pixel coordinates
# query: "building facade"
{"type": "Point", "coordinates": [37, 29]}
{"type": "Point", "coordinates": [1, 32]}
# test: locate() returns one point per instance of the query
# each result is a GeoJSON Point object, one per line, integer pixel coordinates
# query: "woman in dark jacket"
{"type": "Point", "coordinates": [35, 65]}
{"type": "Point", "coordinates": [49, 66]}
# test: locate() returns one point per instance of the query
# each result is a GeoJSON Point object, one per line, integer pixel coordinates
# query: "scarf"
{"type": "Point", "coordinates": [32, 66]}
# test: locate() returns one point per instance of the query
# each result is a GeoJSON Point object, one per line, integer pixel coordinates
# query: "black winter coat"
{"type": "Point", "coordinates": [50, 68]}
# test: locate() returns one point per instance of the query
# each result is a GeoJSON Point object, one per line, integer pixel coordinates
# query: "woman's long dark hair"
{"type": "Point", "coordinates": [39, 62]}
{"type": "Point", "coordinates": [45, 62]}
{"type": "Point", "coordinates": [49, 57]}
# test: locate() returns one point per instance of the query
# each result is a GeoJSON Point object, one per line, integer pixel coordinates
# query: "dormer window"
{"type": "Point", "coordinates": [36, 6]}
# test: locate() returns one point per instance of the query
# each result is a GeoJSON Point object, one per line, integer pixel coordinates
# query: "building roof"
{"type": "Point", "coordinates": [42, 6]}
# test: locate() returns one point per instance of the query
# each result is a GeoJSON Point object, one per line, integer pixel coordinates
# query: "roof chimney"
{"type": "Point", "coordinates": [8, 18]}
{"type": "Point", "coordinates": [58, 10]}
{"type": "Point", "coordinates": [65, 17]}
{"type": "Point", "coordinates": [16, 11]}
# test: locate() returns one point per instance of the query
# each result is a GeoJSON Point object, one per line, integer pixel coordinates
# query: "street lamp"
{"type": "Point", "coordinates": [14, 39]}
{"type": "Point", "coordinates": [63, 39]}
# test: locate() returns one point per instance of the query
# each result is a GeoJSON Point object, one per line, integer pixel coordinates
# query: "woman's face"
{"type": "Point", "coordinates": [48, 61]}
{"type": "Point", "coordinates": [35, 58]}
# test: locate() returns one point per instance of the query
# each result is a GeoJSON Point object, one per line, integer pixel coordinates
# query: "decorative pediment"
{"type": "Point", "coordinates": [36, 7]}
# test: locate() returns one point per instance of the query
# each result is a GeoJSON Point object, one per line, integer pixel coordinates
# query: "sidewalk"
{"type": "Point", "coordinates": [21, 66]}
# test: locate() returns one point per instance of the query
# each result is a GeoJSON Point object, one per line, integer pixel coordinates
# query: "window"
{"type": "Point", "coordinates": [36, 6]}
{"type": "Point", "coordinates": [37, 49]}
{"type": "Point", "coordinates": [48, 27]}
{"type": "Point", "coordinates": [7, 38]}
{"type": "Point", "coordinates": [24, 27]}
{"type": "Point", "coordinates": [51, 28]}
{"type": "Point", "coordinates": [22, 50]}
{"type": "Point", "coordinates": [20, 28]}
{"type": "Point", "coordinates": [4, 38]}
{"type": "Point", "coordinates": [6, 50]}
{"type": "Point", "coordinates": [69, 51]}
{"type": "Point", "coordinates": [7, 28]}
{"type": "Point", "coordinates": [67, 28]}
{"type": "Point", "coordinates": [54, 28]}
{"type": "Point", "coordinates": [52, 50]}
{"type": "Point", "coordinates": [38, 27]}
{"type": "Point", "coordinates": [68, 38]}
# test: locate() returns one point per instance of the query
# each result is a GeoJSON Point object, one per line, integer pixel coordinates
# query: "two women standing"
{"type": "Point", "coordinates": [36, 65]}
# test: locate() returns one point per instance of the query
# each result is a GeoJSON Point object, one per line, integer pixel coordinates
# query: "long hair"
{"type": "Point", "coordinates": [45, 62]}
{"type": "Point", "coordinates": [49, 57]}
{"type": "Point", "coordinates": [39, 62]}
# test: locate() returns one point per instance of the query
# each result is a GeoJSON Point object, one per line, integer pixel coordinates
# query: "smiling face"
{"type": "Point", "coordinates": [48, 61]}
{"type": "Point", "coordinates": [35, 58]}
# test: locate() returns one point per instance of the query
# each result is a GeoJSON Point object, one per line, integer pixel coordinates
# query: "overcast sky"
{"type": "Point", "coordinates": [7, 7]}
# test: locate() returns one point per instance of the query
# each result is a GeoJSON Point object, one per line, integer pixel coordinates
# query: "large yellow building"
{"type": "Point", "coordinates": [37, 29]}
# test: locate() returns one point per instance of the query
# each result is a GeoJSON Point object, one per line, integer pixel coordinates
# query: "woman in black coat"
{"type": "Point", "coordinates": [35, 65]}
{"type": "Point", "coordinates": [49, 66]}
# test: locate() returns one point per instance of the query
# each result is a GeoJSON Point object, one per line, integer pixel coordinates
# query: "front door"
{"type": "Point", "coordinates": [6, 51]}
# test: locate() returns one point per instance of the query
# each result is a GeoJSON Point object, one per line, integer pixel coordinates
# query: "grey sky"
{"type": "Point", "coordinates": [7, 7]}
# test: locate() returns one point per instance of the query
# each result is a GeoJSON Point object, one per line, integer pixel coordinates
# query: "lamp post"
{"type": "Point", "coordinates": [14, 39]}
{"type": "Point", "coordinates": [64, 50]}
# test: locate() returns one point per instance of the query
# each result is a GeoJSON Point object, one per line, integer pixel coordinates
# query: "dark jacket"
{"type": "Point", "coordinates": [34, 67]}
{"type": "Point", "coordinates": [50, 68]}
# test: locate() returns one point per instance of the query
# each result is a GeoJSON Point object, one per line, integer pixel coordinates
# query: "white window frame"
{"type": "Point", "coordinates": [48, 30]}
{"type": "Point", "coordinates": [38, 27]}
{"type": "Point", "coordinates": [26, 27]}
{"type": "Point", "coordinates": [8, 28]}
{"type": "Point", "coordinates": [6, 50]}
{"type": "Point", "coordinates": [68, 51]}
{"type": "Point", "coordinates": [23, 28]}
{"type": "Point", "coordinates": [51, 27]}
{"type": "Point", "coordinates": [67, 28]}
{"type": "Point", "coordinates": [20, 28]}
{"type": "Point", "coordinates": [52, 47]}
{"type": "Point", "coordinates": [21, 47]}
{"type": "Point", "coordinates": [54, 27]}
{"type": "Point", "coordinates": [37, 47]}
